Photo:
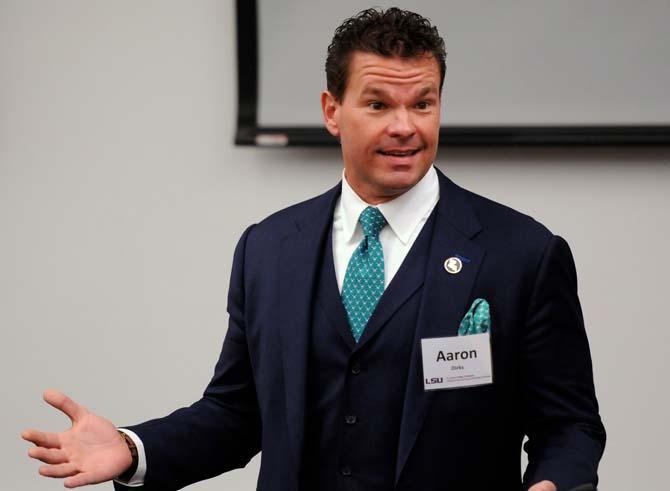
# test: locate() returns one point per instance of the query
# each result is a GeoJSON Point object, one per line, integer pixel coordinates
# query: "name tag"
{"type": "Point", "coordinates": [457, 361]}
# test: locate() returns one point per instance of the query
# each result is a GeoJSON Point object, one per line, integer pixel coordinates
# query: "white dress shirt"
{"type": "Point", "coordinates": [405, 216]}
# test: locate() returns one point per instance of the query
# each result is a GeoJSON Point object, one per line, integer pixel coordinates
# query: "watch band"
{"type": "Point", "coordinates": [130, 472]}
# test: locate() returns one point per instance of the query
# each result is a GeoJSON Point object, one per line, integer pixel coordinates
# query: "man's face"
{"type": "Point", "coordinates": [388, 123]}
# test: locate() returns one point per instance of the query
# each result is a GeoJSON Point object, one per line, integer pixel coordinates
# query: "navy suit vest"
{"type": "Point", "coordinates": [355, 392]}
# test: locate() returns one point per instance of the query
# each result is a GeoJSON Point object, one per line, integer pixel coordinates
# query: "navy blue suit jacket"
{"type": "Point", "coordinates": [543, 383]}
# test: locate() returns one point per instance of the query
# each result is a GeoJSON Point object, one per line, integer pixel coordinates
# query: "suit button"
{"type": "Point", "coordinates": [346, 470]}
{"type": "Point", "coordinates": [356, 369]}
{"type": "Point", "coordinates": [351, 419]}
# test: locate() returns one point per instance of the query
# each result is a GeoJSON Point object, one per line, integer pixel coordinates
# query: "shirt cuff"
{"type": "Point", "coordinates": [138, 478]}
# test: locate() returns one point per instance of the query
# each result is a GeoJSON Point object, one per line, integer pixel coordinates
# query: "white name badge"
{"type": "Point", "coordinates": [457, 361]}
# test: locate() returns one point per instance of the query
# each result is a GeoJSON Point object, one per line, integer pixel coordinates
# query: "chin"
{"type": "Point", "coordinates": [404, 177]}
{"type": "Point", "coordinates": [397, 184]}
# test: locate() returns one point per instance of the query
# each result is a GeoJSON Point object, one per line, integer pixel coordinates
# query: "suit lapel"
{"type": "Point", "coordinates": [300, 256]}
{"type": "Point", "coordinates": [329, 299]}
{"type": "Point", "coordinates": [444, 301]}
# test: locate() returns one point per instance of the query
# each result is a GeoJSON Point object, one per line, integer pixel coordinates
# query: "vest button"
{"type": "Point", "coordinates": [356, 369]}
{"type": "Point", "coordinates": [346, 470]}
{"type": "Point", "coordinates": [351, 419]}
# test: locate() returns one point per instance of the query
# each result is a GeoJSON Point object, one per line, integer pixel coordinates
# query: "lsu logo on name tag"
{"type": "Point", "coordinates": [457, 361]}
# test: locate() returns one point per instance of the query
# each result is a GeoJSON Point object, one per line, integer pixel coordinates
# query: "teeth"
{"type": "Point", "coordinates": [399, 154]}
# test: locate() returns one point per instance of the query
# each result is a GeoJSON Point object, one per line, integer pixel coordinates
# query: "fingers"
{"type": "Point", "coordinates": [41, 439]}
{"type": "Point", "coordinates": [543, 486]}
{"type": "Point", "coordinates": [81, 479]}
{"type": "Point", "coordinates": [65, 404]}
{"type": "Point", "coordinates": [48, 455]}
{"type": "Point", "coordinates": [58, 470]}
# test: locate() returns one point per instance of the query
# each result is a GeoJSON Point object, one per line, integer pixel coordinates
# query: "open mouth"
{"type": "Point", "coordinates": [399, 152]}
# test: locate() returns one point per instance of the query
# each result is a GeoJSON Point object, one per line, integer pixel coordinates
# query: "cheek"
{"type": "Point", "coordinates": [359, 139]}
{"type": "Point", "coordinates": [431, 132]}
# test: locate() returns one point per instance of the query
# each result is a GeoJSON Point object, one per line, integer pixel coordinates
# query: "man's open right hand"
{"type": "Point", "coordinates": [90, 452]}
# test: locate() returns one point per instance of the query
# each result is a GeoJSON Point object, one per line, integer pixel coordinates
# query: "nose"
{"type": "Point", "coordinates": [401, 126]}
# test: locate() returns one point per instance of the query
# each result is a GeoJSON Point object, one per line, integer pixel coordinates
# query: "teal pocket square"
{"type": "Point", "coordinates": [477, 320]}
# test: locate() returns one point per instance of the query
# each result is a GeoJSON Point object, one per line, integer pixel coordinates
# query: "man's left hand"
{"type": "Point", "coordinates": [543, 486]}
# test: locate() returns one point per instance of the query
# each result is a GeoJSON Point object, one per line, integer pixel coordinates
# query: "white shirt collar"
{"type": "Point", "coordinates": [403, 213]}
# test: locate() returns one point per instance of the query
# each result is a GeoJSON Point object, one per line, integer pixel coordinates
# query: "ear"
{"type": "Point", "coordinates": [330, 108]}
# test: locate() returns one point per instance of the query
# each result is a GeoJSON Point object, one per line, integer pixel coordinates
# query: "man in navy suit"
{"type": "Point", "coordinates": [336, 401]}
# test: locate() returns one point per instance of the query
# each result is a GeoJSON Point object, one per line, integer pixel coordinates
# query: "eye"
{"type": "Point", "coordinates": [376, 105]}
{"type": "Point", "coordinates": [423, 105]}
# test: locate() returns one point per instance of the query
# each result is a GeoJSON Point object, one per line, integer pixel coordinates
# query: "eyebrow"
{"type": "Point", "coordinates": [426, 90]}
{"type": "Point", "coordinates": [376, 92]}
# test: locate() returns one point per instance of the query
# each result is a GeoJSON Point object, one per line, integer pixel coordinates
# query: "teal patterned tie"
{"type": "Point", "coordinates": [364, 280]}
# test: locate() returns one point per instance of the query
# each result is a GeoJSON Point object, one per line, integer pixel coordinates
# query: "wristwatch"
{"type": "Point", "coordinates": [130, 472]}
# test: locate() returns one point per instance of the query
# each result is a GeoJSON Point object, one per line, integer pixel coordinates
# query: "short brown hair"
{"type": "Point", "coordinates": [391, 32]}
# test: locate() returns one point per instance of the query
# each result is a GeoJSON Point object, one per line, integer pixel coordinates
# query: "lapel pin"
{"type": "Point", "coordinates": [453, 265]}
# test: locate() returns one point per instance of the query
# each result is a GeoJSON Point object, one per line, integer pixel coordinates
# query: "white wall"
{"type": "Point", "coordinates": [122, 197]}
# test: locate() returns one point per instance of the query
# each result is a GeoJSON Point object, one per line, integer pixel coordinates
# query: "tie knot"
{"type": "Point", "coordinates": [372, 221]}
